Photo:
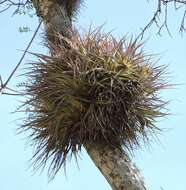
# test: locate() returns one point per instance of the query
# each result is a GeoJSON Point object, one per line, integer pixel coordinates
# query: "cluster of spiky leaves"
{"type": "Point", "coordinates": [95, 90]}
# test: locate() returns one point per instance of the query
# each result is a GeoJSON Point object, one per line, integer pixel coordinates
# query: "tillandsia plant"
{"type": "Point", "coordinates": [98, 90]}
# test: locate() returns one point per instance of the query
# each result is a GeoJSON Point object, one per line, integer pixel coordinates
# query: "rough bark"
{"type": "Point", "coordinates": [116, 166]}
{"type": "Point", "coordinates": [56, 15]}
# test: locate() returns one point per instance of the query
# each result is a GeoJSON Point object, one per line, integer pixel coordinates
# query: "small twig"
{"type": "Point", "coordinates": [1, 81]}
{"type": "Point", "coordinates": [4, 85]}
{"type": "Point", "coordinates": [12, 90]}
{"type": "Point", "coordinates": [182, 26]}
{"type": "Point", "coordinates": [165, 23]}
{"type": "Point", "coordinates": [11, 94]}
{"type": "Point", "coordinates": [154, 20]}
{"type": "Point", "coordinates": [1, 11]}
{"type": "Point", "coordinates": [8, 4]}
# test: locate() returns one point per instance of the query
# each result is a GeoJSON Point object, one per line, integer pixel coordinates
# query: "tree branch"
{"type": "Point", "coordinates": [7, 4]}
{"type": "Point", "coordinates": [162, 8]}
{"type": "Point", "coordinates": [4, 85]}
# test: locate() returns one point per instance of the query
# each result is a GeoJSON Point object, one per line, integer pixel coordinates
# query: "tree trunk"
{"type": "Point", "coordinates": [56, 16]}
{"type": "Point", "coordinates": [116, 166]}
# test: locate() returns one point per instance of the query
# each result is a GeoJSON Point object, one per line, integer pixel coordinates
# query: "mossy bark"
{"type": "Point", "coordinates": [116, 166]}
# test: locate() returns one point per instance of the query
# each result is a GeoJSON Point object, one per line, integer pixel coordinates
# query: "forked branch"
{"type": "Point", "coordinates": [162, 9]}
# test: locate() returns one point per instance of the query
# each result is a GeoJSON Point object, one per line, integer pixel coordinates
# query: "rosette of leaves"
{"type": "Point", "coordinates": [95, 90]}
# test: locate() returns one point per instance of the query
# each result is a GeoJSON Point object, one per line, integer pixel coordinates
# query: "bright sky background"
{"type": "Point", "coordinates": [162, 165]}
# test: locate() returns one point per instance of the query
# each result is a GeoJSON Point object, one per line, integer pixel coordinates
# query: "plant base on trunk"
{"type": "Point", "coordinates": [95, 90]}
